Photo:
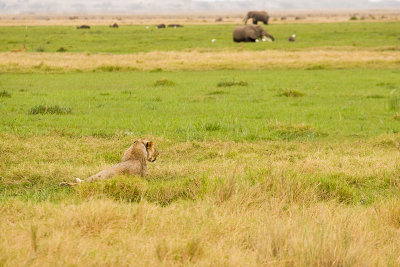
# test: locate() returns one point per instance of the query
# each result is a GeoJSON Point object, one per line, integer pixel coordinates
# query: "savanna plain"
{"type": "Point", "coordinates": [271, 153]}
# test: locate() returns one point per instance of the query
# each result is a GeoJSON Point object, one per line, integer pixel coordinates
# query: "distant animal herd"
{"type": "Point", "coordinates": [241, 33]}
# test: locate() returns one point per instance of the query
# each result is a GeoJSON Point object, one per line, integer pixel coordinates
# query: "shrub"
{"type": "Point", "coordinates": [228, 84]}
{"type": "Point", "coordinates": [4, 94]}
{"type": "Point", "coordinates": [44, 109]}
{"type": "Point", "coordinates": [164, 82]}
{"type": "Point", "coordinates": [353, 18]}
{"type": "Point", "coordinates": [61, 49]}
{"type": "Point", "coordinates": [290, 93]}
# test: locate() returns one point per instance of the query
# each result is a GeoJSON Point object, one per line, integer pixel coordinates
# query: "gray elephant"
{"type": "Point", "coordinates": [257, 16]}
{"type": "Point", "coordinates": [83, 27]}
{"type": "Point", "coordinates": [250, 33]}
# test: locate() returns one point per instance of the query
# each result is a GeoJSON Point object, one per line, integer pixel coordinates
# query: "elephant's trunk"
{"type": "Point", "coordinates": [246, 19]}
{"type": "Point", "coordinates": [270, 36]}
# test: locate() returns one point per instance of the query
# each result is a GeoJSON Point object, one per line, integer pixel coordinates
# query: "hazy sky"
{"type": "Point", "coordinates": [159, 6]}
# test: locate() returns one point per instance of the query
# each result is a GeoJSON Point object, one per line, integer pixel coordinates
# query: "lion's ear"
{"type": "Point", "coordinates": [149, 144]}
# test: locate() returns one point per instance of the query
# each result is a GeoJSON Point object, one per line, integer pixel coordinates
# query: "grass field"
{"type": "Point", "coordinates": [133, 39]}
{"type": "Point", "coordinates": [272, 162]}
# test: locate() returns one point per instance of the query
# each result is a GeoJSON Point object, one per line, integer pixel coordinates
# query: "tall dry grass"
{"type": "Point", "coordinates": [246, 204]}
{"type": "Point", "coordinates": [201, 233]}
{"type": "Point", "coordinates": [199, 60]}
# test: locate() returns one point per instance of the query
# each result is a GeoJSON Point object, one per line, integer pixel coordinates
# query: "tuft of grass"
{"type": "Point", "coordinates": [44, 109]}
{"type": "Point", "coordinates": [194, 249]}
{"type": "Point", "coordinates": [62, 49]}
{"type": "Point", "coordinates": [218, 92]}
{"type": "Point", "coordinates": [4, 93]}
{"type": "Point", "coordinates": [290, 93]}
{"type": "Point", "coordinates": [212, 126]}
{"type": "Point", "coordinates": [394, 100]}
{"type": "Point", "coordinates": [229, 84]}
{"type": "Point", "coordinates": [130, 189]}
{"type": "Point", "coordinates": [294, 131]}
{"type": "Point", "coordinates": [316, 67]}
{"type": "Point", "coordinates": [40, 49]}
{"type": "Point", "coordinates": [109, 68]}
{"type": "Point", "coordinates": [164, 82]}
{"type": "Point", "coordinates": [157, 70]}
{"type": "Point", "coordinates": [386, 84]}
{"type": "Point", "coordinates": [134, 189]}
{"type": "Point", "coordinates": [375, 96]}
{"type": "Point", "coordinates": [156, 99]}
{"type": "Point", "coordinates": [397, 117]}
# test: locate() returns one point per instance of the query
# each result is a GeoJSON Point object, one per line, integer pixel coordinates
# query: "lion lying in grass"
{"type": "Point", "coordinates": [133, 162]}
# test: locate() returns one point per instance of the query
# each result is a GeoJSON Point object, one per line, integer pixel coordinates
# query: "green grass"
{"type": "Point", "coordinates": [45, 109]}
{"type": "Point", "coordinates": [195, 108]}
{"type": "Point", "coordinates": [133, 39]}
{"type": "Point", "coordinates": [285, 167]}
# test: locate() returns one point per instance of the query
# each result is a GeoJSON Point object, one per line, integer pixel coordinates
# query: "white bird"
{"type": "Point", "coordinates": [147, 27]}
{"type": "Point", "coordinates": [257, 40]}
{"type": "Point", "coordinates": [292, 38]}
{"type": "Point", "coordinates": [213, 40]}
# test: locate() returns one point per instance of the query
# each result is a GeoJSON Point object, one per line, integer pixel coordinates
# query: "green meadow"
{"type": "Point", "coordinates": [203, 105]}
{"type": "Point", "coordinates": [134, 38]}
{"type": "Point", "coordinates": [267, 167]}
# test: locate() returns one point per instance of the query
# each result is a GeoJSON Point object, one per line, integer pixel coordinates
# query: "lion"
{"type": "Point", "coordinates": [133, 162]}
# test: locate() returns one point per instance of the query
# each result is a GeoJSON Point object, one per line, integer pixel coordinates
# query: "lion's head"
{"type": "Point", "coordinates": [152, 152]}
{"type": "Point", "coordinates": [141, 149]}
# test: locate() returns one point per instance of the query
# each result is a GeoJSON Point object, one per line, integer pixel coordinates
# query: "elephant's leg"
{"type": "Point", "coordinates": [255, 21]}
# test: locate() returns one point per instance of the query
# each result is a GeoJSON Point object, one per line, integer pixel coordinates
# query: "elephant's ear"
{"type": "Point", "coordinates": [253, 34]}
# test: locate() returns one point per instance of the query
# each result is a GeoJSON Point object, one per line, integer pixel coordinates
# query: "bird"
{"type": "Point", "coordinates": [292, 38]}
{"type": "Point", "coordinates": [213, 40]}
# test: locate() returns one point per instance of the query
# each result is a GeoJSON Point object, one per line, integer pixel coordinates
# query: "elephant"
{"type": "Point", "coordinates": [292, 38]}
{"type": "Point", "coordinates": [250, 33]}
{"type": "Point", "coordinates": [115, 25]}
{"type": "Point", "coordinates": [160, 26]}
{"type": "Point", "coordinates": [83, 27]}
{"type": "Point", "coordinates": [257, 16]}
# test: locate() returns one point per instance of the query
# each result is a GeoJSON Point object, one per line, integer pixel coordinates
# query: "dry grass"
{"type": "Point", "coordinates": [257, 205]}
{"type": "Point", "coordinates": [306, 16]}
{"type": "Point", "coordinates": [234, 233]}
{"type": "Point", "coordinates": [198, 60]}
